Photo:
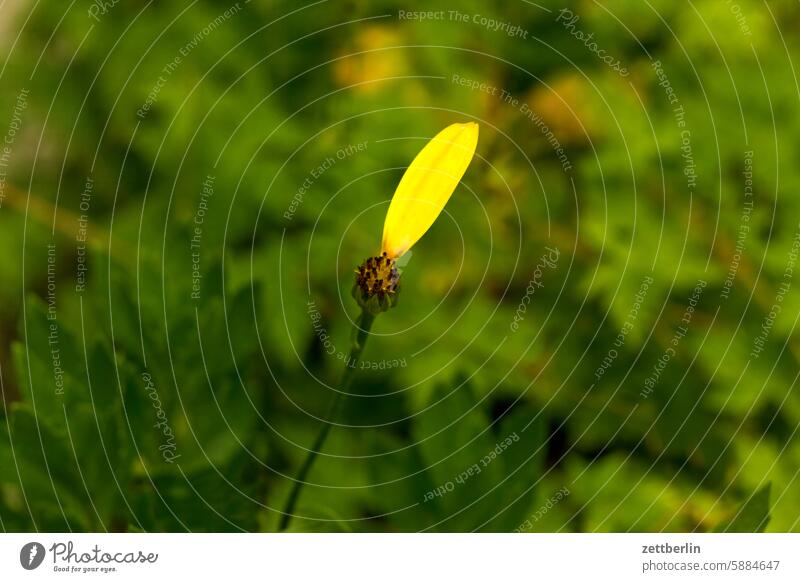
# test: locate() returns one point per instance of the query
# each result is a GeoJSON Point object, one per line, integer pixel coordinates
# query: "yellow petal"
{"type": "Point", "coordinates": [427, 185]}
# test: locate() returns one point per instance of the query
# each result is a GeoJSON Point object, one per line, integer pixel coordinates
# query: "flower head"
{"type": "Point", "coordinates": [418, 200]}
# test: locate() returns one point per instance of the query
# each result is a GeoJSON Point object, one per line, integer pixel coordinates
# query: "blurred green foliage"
{"type": "Point", "coordinates": [239, 374]}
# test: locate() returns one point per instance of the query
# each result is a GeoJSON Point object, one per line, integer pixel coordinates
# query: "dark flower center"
{"type": "Point", "coordinates": [377, 276]}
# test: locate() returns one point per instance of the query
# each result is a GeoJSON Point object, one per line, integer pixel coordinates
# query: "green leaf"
{"type": "Point", "coordinates": [318, 520]}
{"type": "Point", "coordinates": [752, 516]}
{"type": "Point", "coordinates": [522, 468]}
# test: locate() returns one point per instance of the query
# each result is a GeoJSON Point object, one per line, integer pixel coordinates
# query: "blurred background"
{"type": "Point", "coordinates": [599, 334]}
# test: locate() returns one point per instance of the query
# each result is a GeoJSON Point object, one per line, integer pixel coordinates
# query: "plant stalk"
{"type": "Point", "coordinates": [360, 335]}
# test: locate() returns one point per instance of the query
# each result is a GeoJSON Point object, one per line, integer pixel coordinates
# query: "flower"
{"type": "Point", "coordinates": [418, 200]}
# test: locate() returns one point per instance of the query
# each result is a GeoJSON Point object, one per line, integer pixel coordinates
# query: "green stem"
{"type": "Point", "coordinates": [360, 335]}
